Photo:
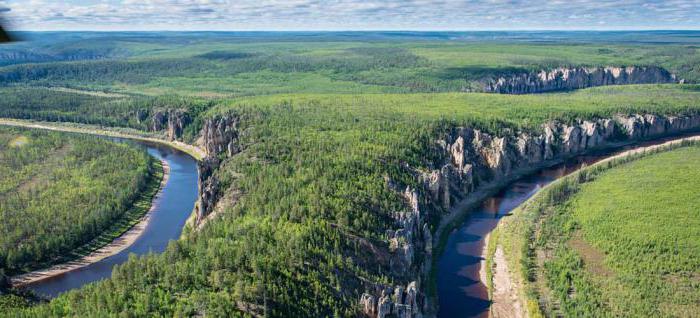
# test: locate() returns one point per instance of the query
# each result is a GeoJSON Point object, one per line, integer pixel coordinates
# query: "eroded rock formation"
{"type": "Point", "coordinates": [173, 121]}
{"type": "Point", "coordinates": [472, 158]}
{"type": "Point", "coordinates": [400, 301]}
{"type": "Point", "coordinates": [576, 77]}
{"type": "Point", "coordinates": [219, 138]}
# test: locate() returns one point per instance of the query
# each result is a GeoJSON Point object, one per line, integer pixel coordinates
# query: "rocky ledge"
{"type": "Point", "coordinates": [173, 121]}
{"type": "Point", "coordinates": [576, 78]}
{"type": "Point", "coordinates": [470, 160]}
{"type": "Point", "coordinates": [219, 139]}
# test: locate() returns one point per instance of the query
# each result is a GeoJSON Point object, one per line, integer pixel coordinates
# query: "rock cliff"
{"type": "Point", "coordinates": [219, 139]}
{"type": "Point", "coordinates": [173, 121]}
{"type": "Point", "coordinates": [575, 78]}
{"type": "Point", "coordinates": [471, 159]}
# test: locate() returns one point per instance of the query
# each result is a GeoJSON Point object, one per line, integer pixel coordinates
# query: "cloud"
{"type": "Point", "coordinates": [351, 14]}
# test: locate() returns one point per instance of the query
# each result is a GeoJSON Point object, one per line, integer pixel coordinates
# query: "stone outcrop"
{"type": "Point", "coordinates": [575, 78]}
{"type": "Point", "coordinates": [208, 188]}
{"type": "Point", "coordinates": [173, 121]}
{"type": "Point", "coordinates": [398, 302]}
{"type": "Point", "coordinates": [219, 138]}
{"type": "Point", "coordinates": [472, 158]}
{"type": "Point", "coordinates": [177, 120]}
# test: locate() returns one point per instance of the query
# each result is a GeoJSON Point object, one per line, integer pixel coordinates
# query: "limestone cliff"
{"type": "Point", "coordinates": [470, 160]}
{"type": "Point", "coordinates": [219, 139]}
{"type": "Point", "coordinates": [576, 77]}
{"type": "Point", "coordinates": [173, 121]}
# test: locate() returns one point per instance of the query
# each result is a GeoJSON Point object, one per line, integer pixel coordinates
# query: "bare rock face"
{"type": "Point", "coordinates": [549, 139]}
{"type": "Point", "coordinates": [208, 187]}
{"type": "Point", "coordinates": [644, 126]}
{"type": "Point", "coordinates": [159, 120]}
{"type": "Point", "coordinates": [384, 306]}
{"type": "Point", "coordinates": [220, 136]}
{"type": "Point", "coordinates": [399, 302]}
{"type": "Point", "coordinates": [369, 305]}
{"type": "Point", "coordinates": [571, 139]}
{"type": "Point", "coordinates": [438, 185]}
{"type": "Point", "coordinates": [494, 152]}
{"type": "Point", "coordinates": [530, 148]}
{"type": "Point", "coordinates": [427, 239]}
{"type": "Point", "coordinates": [681, 123]}
{"type": "Point", "coordinates": [173, 121]}
{"type": "Point", "coordinates": [471, 158]}
{"type": "Point", "coordinates": [177, 120]}
{"type": "Point", "coordinates": [576, 78]}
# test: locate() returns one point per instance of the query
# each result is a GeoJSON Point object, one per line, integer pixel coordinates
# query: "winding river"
{"type": "Point", "coordinates": [461, 293]}
{"type": "Point", "coordinates": [173, 206]}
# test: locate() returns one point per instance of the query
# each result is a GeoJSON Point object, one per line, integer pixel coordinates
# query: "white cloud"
{"type": "Point", "coordinates": [349, 14]}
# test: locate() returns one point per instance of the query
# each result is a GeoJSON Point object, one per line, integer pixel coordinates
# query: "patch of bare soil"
{"type": "Point", "coordinates": [593, 259]}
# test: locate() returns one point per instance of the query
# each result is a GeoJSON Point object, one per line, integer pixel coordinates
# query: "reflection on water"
{"type": "Point", "coordinates": [172, 208]}
{"type": "Point", "coordinates": [460, 291]}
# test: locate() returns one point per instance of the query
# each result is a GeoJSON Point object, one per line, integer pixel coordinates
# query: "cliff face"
{"type": "Point", "coordinates": [173, 121]}
{"type": "Point", "coordinates": [471, 159]}
{"type": "Point", "coordinates": [219, 138]}
{"type": "Point", "coordinates": [575, 78]}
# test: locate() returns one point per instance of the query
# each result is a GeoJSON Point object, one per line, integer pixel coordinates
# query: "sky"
{"type": "Point", "coordinates": [294, 15]}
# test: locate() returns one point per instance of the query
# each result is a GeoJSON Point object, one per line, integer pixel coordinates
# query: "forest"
{"type": "Point", "coordinates": [60, 191]}
{"type": "Point", "coordinates": [328, 126]}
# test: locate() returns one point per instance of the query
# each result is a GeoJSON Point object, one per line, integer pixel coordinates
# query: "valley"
{"type": "Point", "coordinates": [333, 169]}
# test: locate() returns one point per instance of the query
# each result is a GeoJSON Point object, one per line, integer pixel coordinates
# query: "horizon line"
{"type": "Point", "coordinates": [359, 30]}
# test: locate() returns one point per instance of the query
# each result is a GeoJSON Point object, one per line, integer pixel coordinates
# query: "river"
{"type": "Point", "coordinates": [173, 206]}
{"type": "Point", "coordinates": [461, 292]}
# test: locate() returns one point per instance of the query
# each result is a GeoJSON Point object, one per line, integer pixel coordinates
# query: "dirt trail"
{"type": "Point", "coordinates": [117, 245]}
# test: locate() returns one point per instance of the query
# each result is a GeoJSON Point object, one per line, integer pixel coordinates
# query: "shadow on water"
{"type": "Point", "coordinates": [173, 206]}
{"type": "Point", "coordinates": [461, 293]}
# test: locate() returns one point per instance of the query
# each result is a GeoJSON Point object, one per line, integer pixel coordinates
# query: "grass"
{"type": "Point", "coordinates": [19, 141]}
{"type": "Point", "coordinates": [522, 111]}
{"type": "Point", "coordinates": [644, 218]}
{"type": "Point", "coordinates": [617, 239]}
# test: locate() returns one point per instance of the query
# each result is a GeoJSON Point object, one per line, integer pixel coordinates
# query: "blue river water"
{"type": "Point", "coordinates": [173, 206]}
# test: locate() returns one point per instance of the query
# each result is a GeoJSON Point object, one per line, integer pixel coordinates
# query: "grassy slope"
{"type": "Point", "coordinates": [645, 218]}
{"type": "Point", "coordinates": [527, 111]}
{"type": "Point", "coordinates": [621, 243]}
{"type": "Point", "coordinates": [180, 64]}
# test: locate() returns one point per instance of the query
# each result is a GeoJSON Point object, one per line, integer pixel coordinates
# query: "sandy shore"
{"type": "Point", "coordinates": [506, 303]}
{"type": "Point", "coordinates": [506, 291]}
{"type": "Point", "coordinates": [119, 244]}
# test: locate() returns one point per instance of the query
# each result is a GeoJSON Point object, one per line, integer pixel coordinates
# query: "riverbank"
{"type": "Point", "coordinates": [511, 291]}
{"type": "Point", "coordinates": [118, 237]}
{"type": "Point", "coordinates": [195, 152]}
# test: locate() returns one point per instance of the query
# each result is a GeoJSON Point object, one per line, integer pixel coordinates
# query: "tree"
{"type": "Point", "coordinates": [5, 282]}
